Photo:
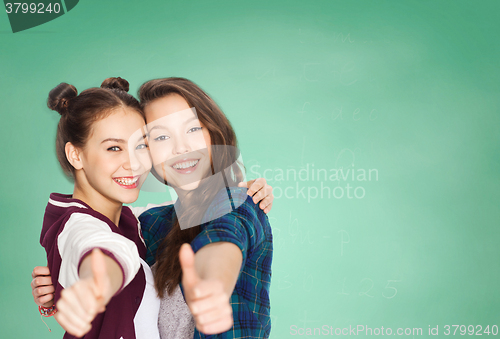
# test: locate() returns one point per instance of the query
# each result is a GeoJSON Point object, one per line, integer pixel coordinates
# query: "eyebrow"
{"type": "Point", "coordinates": [164, 127]}
{"type": "Point", "coordinates": [114, 140]}
{"type": "Point", "coordinates": [144, 136]}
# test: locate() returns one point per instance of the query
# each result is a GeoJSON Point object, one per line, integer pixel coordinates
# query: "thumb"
{"type": "Point", "coordinates": [99, 274]}
{"type": "Point", "coordinates": [190, 277]}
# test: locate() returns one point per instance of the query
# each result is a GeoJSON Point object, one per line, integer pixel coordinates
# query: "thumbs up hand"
{"type": "Point", "coordinates": [207, 300]}
{"type": "Point", "coordinates": [80, 303]}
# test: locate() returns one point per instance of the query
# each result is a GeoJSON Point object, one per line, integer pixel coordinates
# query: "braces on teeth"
{"type": "Point", "coordinates": [126, 181]}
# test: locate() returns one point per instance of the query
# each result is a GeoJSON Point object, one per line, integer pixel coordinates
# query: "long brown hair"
{"type": "Point", "coordinates": [168, 271]}
{"type": "Point", "coordinates": [79, 112]}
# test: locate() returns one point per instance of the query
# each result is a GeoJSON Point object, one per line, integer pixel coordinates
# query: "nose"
{"type": "Point", "coordinates": [131, 163]}
{"type": "Point", "coordinates": [181, 146]}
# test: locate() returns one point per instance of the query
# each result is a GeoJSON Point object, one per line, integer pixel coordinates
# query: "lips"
{"type": "Point", "coordinates": [185, 166]}
{"type": "Point", "coordinates": [127, 182]}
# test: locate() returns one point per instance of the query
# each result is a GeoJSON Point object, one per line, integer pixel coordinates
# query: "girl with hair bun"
{"type": "Point", "coordinates": [95, 252]}
{"type": "Point", "coordinates": [102, 286]}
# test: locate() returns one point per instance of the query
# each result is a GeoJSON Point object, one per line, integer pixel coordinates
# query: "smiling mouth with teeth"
{"type": "Point", "coordinates": [185, 164]}
{"type": "Point", "coordinates": [127, 182]}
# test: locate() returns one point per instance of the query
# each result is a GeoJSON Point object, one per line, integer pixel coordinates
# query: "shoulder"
{"type": "Point", "coordinates": [156, 213]}
{"type": "Point", "coordinates": [231, 203]}
{"type": "Point", "coordinates": [236, 214]}
{"type": "Point", "coordinates": [157, 219]}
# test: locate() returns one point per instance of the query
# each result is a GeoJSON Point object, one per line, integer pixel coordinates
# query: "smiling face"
{"type": "Point", "coordinates": [178, 142]}
{"type": "Point", "coordinates": [115, 160]}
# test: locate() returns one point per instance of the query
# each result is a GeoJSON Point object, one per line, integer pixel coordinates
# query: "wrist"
{"type": "Point", "coordinates": [47, 311]}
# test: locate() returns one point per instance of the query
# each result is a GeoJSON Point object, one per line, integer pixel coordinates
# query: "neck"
{"type": "Point", "coordinates": [99, 203]}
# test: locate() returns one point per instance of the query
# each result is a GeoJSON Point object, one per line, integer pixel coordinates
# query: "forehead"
{"type": "Point", "coordinates": [165, 106]}
{"type": "Point", "coordinates": [175, 121]}
{"type": "Point", "coordinates": [122, 122]}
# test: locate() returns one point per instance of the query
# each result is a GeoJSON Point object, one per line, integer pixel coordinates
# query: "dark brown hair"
{"type": "Point", "coordinates": [79, 112]}
{"type": "Point", "coordinates": [168, 271]}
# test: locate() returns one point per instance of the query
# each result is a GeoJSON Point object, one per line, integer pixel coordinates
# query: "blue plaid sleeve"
{"type": "Point", "coordinates": [247, 227]}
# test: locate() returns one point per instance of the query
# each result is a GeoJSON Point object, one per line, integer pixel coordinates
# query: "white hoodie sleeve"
{"type": "Point", "coordinates": [82, 233]}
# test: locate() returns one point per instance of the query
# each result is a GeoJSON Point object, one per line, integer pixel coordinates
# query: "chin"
{"type": "Point", "coordinates": [190, 186]}
{"type": "Point", "coordinates": [129, 198]}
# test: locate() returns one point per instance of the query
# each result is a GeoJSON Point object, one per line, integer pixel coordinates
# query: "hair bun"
{"type": "Point", "coordinates": [117, 83]}
{"type": "Point", "coordinates": [60, 96]}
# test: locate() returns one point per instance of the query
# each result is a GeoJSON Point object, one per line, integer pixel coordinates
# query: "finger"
{"type": "Point", "coordinates": [256, 185]}
{"type": "Point", "coordinates": [268, 208]}
{"type": "Point", "coordinates": [43, 290]}
{"type": "Point", "coordinates": [265, 202]}
{"type": "Point", "coordinates": [69, 305]}
{"type": "Point", "coordinates": [258, 196]}
{"type": "Point", "coordinates": [244, 184]}
{"type": "Point", "coordinates": [262, 194]}
{"type": "Point", "coordinates": [45, 300]}
{"type": "Point", "coordinates": [190, 277]}
{"type": "Point", "coordinates": [41, 281]}
{"type": "Point", "coordinates": [215, 315]}
{"type": "Point", "coordinates": [40, 270]}
{"type": "Point", "coordinates": [217, 327]}
{"type": "Point", "coordinates": [209, 303]}
{"type": "Point", "coordinates": [70, 327]}
{"type": "Point", "coordinates": [92, 304]}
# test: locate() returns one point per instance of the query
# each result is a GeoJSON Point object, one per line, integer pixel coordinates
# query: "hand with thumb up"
{"type": "Point", "coordinates": [80, 303]}
{"type": "Point", "coordinates": [207, 299]}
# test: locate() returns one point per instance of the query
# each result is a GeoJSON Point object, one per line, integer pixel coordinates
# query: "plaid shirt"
{"type": "Point", "coordinates": [247, 227]}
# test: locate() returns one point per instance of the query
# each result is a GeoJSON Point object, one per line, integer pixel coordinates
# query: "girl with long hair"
{"type": "Point", "coordinates": [226, 283]}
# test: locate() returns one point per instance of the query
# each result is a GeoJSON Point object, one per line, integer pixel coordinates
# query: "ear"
{"type": "Point", "coordinates": [73, 156]}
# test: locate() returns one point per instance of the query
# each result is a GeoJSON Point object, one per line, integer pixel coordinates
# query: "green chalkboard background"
{"type": "Point", "coordinates": [403, 93]}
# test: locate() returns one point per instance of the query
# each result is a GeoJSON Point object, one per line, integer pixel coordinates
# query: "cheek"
{"type": "Point", "coordinates": [206, 137]}
{"type": "Point", "coordinates": [158, 154]}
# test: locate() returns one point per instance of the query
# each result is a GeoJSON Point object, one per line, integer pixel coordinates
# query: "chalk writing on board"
{"type": "Point", "coordinates": [366, 287]}
{"type": "Point", "coordinates": [278, 238]}
{"type": "Point", "coordinates": [302, 111]}
{"type": "Point", "coordinates": [309, 114]}
{"type": "Point", "coordinates": [281, 280]}
{"type": "Point", "coordinates": [306, 71]}
{"type": "Point", "coordinates": [343, 286]}
{"type": "Point", "coordinates": [344, 75]}
{"type": "Point", "coordinates": [308, 281]}
{"type": "Point", "coordinates": [296, 232]}
{"type": "Point", "coordinates": [270, 71]}
{"type": "Point", "coordinates": [390, 288]}
{"type": "Point", "coordinates": [344, 239]}
{"type": "Point", "coordinates": [358, 114]}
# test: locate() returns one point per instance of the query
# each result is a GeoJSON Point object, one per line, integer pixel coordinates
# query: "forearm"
{"type": "Point", "coordinates": [220, 261]}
